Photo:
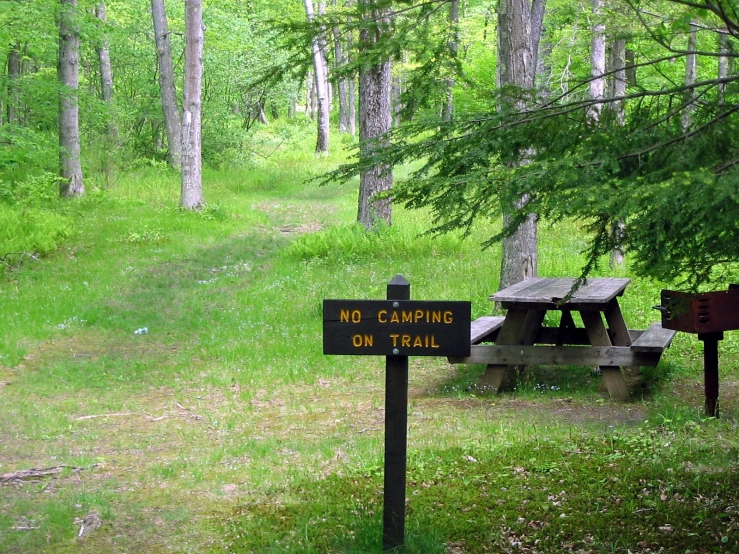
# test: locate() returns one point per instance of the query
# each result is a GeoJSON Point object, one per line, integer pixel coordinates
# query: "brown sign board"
{"type": "Point", "coordinates": [396, 327]}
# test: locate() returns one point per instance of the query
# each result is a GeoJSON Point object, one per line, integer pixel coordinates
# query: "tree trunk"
{"type": "Point", "coordinates": [192, 189]}
{"type": "Point", "coordinates": [453, 49]}
{"type": "Point", "coordinates": [70, 167]}
{"type": "Point", "coordinates": [106, 72]}
{"type": "Point", "coordinates": [597, 60]}
{"type": "Point", "coordinates": [630, 67]}
{"type": "Point", "coordinates": [319, 68]}
{"type": "Point", "coordinates": [351, 92]}
{"type": "Point", "coordinates": [690, 76]}
{"type": "Point", "coordinates": [172, 122]}
{"type": "Point", "coordinates": [618, 89]}
{"type": "Point", "coordinates": [14, 74]}
{"type": "Point", "coordinates": [723, 63]}
{"type": "Point", "coordinates": [518, 29]}
{"type": "Point", "coordinates": [343, 92]}
{"type": "Point", "coordinates": [618, 69]}
{"type": "Point", "coordinates": [375, 120]}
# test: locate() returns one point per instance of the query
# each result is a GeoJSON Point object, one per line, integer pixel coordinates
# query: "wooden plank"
{"type": "Point", "coordinates": [484, 326]}
{"type": "Point", "coordinates": [612, 375]}
{"type": "Point", "coordinates": [654, 339]}
{"type": "Point", "coordinates": [549, 292]}
{"type": "Point", "coordinates": [617, 329]}
{"type": "Point", "coordinates": [503, 355]}
{"type": "Point", "coordinates": [509, 333]}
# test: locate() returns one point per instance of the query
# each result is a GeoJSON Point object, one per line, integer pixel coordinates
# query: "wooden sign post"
{"type": "Point", "coordinates": [396, 328]}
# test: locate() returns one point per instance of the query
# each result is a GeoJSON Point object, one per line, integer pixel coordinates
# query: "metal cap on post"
{"type": "Point", "coordinates": [396, 433]}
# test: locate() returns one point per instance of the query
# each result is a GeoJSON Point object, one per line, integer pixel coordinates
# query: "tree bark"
{"type": "Point", "coordinates": [351, 86]}
{"type": "Point", "coordinates": [375, 120]}
{"type": "Point", "coordinates": [597, 60]}
{"type": "Point", "coordinates": [343, 92]}
{"type": "Point", "coordinates": [319, 68]}
{"type": "Point", "coordinates": [103, 51]}
{"type": "Point", "coordinates": [618, 89]}
{"type": "Point", "coordinates": [690, 76]}
{"type": "Point", "coordinates": [453, 50]}
{"type": "Point", "coordinates": [14, 74]}
{"type": "Point", "coordinates": [70, 167]}
{"type": "Point", "coordinates": [723, 63]}
{"type": "Point", "coordinates": [519, 26]}
{"type": "Point", "coordinates": [192, 189]}
{"type": "Point", "coordinates": [170, 107]}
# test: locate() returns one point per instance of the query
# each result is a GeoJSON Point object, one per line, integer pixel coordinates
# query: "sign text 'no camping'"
{"type": "Point", "coordinates": [396, 328]}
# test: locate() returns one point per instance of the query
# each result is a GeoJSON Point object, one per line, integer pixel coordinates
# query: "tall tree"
{"type": "Point", "coordinates": [597, 59]}
{"type": "Point", "coordinates": [70, 166]}
{"type": "Point", "coordinates": [103, 51]}
{"type": "Point", "coordinates": [343, 89]}
{"type": "Point", "coordinates": [453, 49]}
{"type": "Point", "coordinates": [320, 84]}
{"type": "Point", "coordinates": [375, 118]}
{"type": "Point", "coordinates": [192, 188]}
{"type": "Point", "coordinates": [691, 68]}
{"type": "Point", "coordinates": [14, 74]}
{"type": "Point", "coordinates": [170, 106]}
{"type": "Point", "coordinates": [519, 32]}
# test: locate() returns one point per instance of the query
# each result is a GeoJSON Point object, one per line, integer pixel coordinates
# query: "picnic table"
{"type": "Point", "coordinates": [603, 339]}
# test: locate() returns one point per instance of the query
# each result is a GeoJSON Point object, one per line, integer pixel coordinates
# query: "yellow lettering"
{"type": "Point", "coordinates": [382, 314]}
{"type": "Point", "coordinates": [362, 340]}
{"type": "Point", "coordinates": [344, 316]}
{"type": "Point", "coordinates": [356, 316]}
{"type": "Point", "coordinates": [448, 317]}
{"type": "Point", "coordinates": [394, 318]}
{"type": "Point", "coordinates": [433, 342]}
{"type": "Point", "coordinates": [419, 315]}
{"type": "Point", "coordinates": [435, 317]}
{"type": "Point", "coordinates": [405, 340]}
{"type": "Point", "coordinates": [407, 317]}
{"type": "Point", "coordinates": [417, 342]}
{"type": "Point", "coordinates": [395, 339]}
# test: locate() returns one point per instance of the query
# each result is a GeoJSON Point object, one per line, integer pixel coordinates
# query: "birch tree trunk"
{"type": "Point", "coordinates": [690, 76]}
{"type": "Point", "coordinates": [192, 189]}
{"type": "Point", "coordinates": [453, 49]}
{"type": "Point", "coordinates": [597, 60]}
{"type": "Point", "coordinates": [375, 119]}
{"type": "Point", "coordinates": [519, 32]}
{"type": "Point", "coordinates": [170, 107]}
{"type": "Point", "coordinates": [319, 69]}
{"type": "Point", "coordinates": [723, 63]}
{"type": "Point", "coordinates": [70, 168]}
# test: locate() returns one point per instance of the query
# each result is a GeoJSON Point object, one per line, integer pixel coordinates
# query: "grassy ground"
{"type": "Point", "coordinates": [225, 429]}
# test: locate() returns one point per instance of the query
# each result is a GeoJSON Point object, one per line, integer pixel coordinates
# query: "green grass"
{"type": "Point", "coordinates": [225, 428]}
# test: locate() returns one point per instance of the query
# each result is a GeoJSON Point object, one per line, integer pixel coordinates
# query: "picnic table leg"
{"type": "Point", "coordinates": [519, 327]}
{"type": "Point", "coordinates": [618, 330]}
{"type": "Point", "coordinates": [598, 336]}
{"type": "Point", "coordinates": [509, 333]}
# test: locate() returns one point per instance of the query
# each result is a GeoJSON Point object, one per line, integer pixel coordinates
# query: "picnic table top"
{"type": "Point", "coordinates": [549, 292]}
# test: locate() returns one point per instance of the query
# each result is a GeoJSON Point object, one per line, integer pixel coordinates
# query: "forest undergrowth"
{"type": "Point", "coordinates": [223, 428]}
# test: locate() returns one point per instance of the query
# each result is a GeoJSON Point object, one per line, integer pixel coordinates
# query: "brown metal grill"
{"type": "Point", "coordinates": [707, 314]}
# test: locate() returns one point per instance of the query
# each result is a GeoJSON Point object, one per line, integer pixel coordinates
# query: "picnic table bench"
{"type": "Point", "coordinates": [604, 340]}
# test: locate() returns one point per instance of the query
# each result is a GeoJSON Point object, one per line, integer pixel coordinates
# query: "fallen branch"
{"type": "Point", "coordinates": [33, 473]}
{"type": "Point", "coordinates": [121, 414]}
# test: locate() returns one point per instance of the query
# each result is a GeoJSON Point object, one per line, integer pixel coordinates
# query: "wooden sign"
{"type": "Point", "coordinates": [396, 328]}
